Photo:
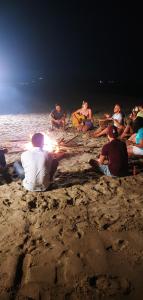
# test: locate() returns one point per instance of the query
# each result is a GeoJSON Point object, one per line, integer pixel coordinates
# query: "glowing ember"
{"type": "Point", "coordinates": [50, 145]}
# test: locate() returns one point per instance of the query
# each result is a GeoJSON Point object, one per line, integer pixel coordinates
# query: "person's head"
{"type": "Point", "coordinates": [58, 107]}
{"type": "Point", "coordinates": [134, 112]}
{"type": "Point", "coordinates": [38, 140]}
{"type": "Point", "coordinates": [136, 109]}
{"type": "Point", "coordinates": [85, 104]}
{"type": "Point", "coordinates": [117, 109]}
{"type": "Point", "coordinates": [112, 132]}
{"type": "Point", "coordinates": [140, 107]}
{"type": "Point", "coordinates": [133, 115]}
{"type": "Point", "coordinates": [138, 123]}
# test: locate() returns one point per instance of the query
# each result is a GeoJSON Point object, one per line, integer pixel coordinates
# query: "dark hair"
{"type": "Point", "coordinates": [38, 140]}
{"type": "Point", "coordinates": [137, 124]}
{"type": "Point", "coordinates": [118, 104]}
{"type": "Point", "coordinates": [57, 104]}
{"type": "Point", "coordinates": [112, 131]}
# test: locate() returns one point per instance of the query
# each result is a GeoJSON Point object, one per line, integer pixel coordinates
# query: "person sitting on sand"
{"type": "Point", "coordinates": [134, 122]}
{"type": "Point", "coordinates": [135, 143]}
{"type": "Point", "coordinates": [2, 159]}
{"type": "Point", "coordinates": [82, 118]}
{"type": "Point", "coordinates": [129, 123]}
{"type": "Point", "coordinates": [116, 119]}
{"type": "Point", "coordinates": [115, 151]}
{"type": "Point", "coordinates": [37, 166]}
{"type": "Point", "coordinates": [58, 117]}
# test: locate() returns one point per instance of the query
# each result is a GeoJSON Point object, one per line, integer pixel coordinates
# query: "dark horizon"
{"type": "Point", "coordinates": [65, 51]}
{"type": "Point", "coordinates": [70, 40]}
{"type": "Point", "coordinates": [42, 95]}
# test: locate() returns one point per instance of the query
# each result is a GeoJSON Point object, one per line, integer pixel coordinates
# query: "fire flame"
{"type": "Point", "coordinates": [50, 145]}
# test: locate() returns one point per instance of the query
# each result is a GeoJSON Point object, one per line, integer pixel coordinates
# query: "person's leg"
{"type": "Point", "coordinates": [3, 167]}
{"type": "Point", "coordinates": [102, 132]}
{"type": "Point", "coordinates": [130, 150]}
{"type": "Point", "coordinates": [98, 130]}
{"type": "Point", "coordinates": [54, 166]}
{"type": "Point", "coordinates": [120, 130]}
{"type": "Point", "coordinates": [52, 124]}
{"type": "Point", "coordinates": [63, 121]}
{"type": "Point", "coordinates": [103, 123]}
{"type": "Point", "coordinates": [61, 124]}
{"type": "Point", "coordinates": [134, 150]}
{"type": "Point", "coordinates": [2, 159]}
{"type": "Point", "coordinates": [85, 128]}
{"type": "Point", "coordinates": [104, 169]}
{"type": "Point", "coordinates": [125, 132]}
{"type": "Point", "coordinates": [132, 138]}
{"type": "Point", "coordinates": [19, 169]}
{"type": "Point", "coordinates": [55, 123]}
{"type": "Point", "coordinates": [80, 127]}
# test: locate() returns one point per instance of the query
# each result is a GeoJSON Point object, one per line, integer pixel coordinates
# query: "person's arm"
{"type": "Point", "coordinates": [53, 118]}
{"type": "Point", "coordinates": [103, 155]}
{"type": "Point", "coordinates": [76, 112]}
{"type": "Point", "coordinates": [52, 115]}
{"type": "Point", "coordinates": [101, 159]}
{"type": "Point", "coordinates": [118, 123]}
{"type": "Point", "coordinates": [89, 114]}
{"type": "Point", "coordinates": [140, 145]}
{"type": "Point", "coordinates": [63, 116]}
{"type": "Point", "coordinates": [107, 116]}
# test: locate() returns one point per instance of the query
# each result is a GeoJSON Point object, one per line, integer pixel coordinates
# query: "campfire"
{"type": "Point", "coordinates": [50, 144]}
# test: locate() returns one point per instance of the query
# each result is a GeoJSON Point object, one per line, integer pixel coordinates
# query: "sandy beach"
{"type": "Point", "coordinates": [83, 237]}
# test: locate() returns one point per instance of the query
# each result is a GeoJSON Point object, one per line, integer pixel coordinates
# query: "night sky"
{"type": "Point", "coordinates": [70, 39]}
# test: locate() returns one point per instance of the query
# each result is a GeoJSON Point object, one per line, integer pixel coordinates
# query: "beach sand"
{"type": "Point", "coordinates": [83, 238]}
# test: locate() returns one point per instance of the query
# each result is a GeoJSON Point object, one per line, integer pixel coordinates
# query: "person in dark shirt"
{"type": "Point", "coordinates": [58, 117]}
{"type": "Point", "coordinates": [115, 151]}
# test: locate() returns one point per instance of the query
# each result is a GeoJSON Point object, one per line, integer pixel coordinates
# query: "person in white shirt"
{"type": "Point", "coordinates": [116, 119]}
{"type": "Point", "coordinates": [37, 166]}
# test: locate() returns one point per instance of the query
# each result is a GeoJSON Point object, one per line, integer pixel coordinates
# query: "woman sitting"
{"type": "Point", "coordinates": [82, 118]}
{"type": "Point", "coordinates": [134, 122]}
{"type": "Point", "coordinates": [135, 143]}
{"type": "Point", "coordinates": [129, 123]}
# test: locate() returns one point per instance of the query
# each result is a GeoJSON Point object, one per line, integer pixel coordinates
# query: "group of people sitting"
{"type": "Point", "coordinates": [82, 120]}
{"type": "Point", "coordinates": [37, 167]}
